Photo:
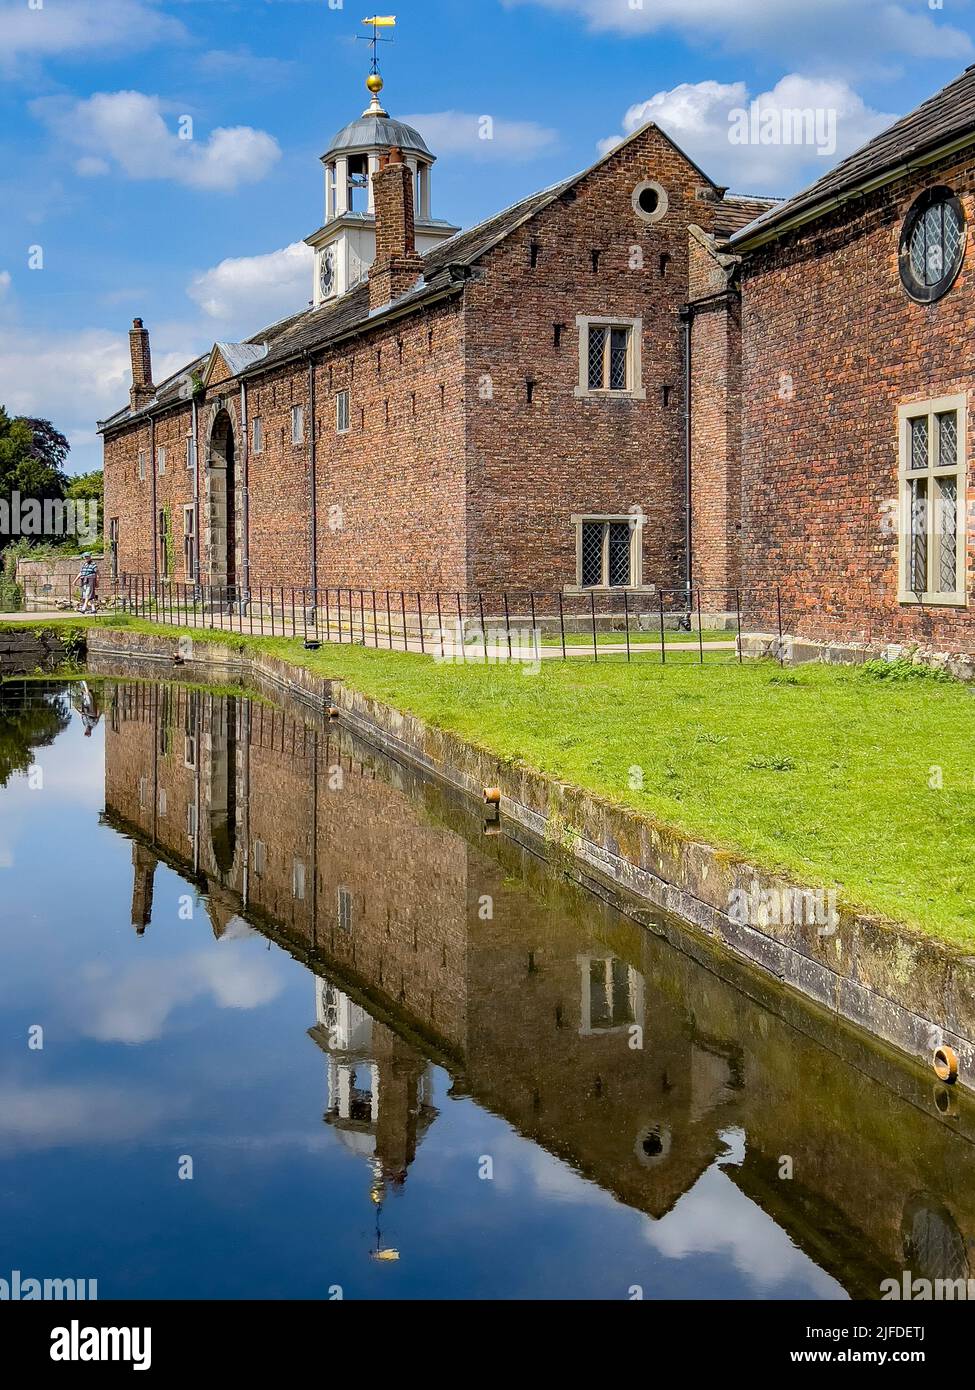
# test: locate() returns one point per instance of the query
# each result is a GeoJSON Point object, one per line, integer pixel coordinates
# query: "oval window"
{"type": "Point", "coordinates": [650, 200]}
{"type": "Point", "coordinates": [932, 245]}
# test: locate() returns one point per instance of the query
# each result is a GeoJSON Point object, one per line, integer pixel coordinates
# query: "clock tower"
{"type": "Point", "coordinates": [345, 246]}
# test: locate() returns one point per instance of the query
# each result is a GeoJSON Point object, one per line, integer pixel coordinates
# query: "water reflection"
{"type": "Point", "coordinates": [768, 1147]}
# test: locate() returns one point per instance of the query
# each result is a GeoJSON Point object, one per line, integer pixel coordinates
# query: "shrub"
{"type": "Point", "coordinates": [901, 670]}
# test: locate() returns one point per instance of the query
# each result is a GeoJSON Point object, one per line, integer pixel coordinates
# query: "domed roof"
{"type": "Point", "coordinates": [377, 130]}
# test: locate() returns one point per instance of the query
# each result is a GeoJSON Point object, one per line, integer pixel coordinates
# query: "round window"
{"type": "Point", "coordinates": [650, 201]}
{"type": "Point", "coordinates": [932, 245]}
{"type": "Point", "coordinates": [653, 1145]}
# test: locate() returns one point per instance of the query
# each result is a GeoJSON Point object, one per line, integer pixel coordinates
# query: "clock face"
{"type": "Point", "coordinates": [327, 273]}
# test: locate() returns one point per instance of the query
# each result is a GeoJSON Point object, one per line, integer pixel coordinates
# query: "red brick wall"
{"type": "Point", "coordinates": [278, 480]}
{"type": "Point", "coordinates": [535, 465]}
{"type": "Point", "coordinates": [826, 314]}
{"type": "Point", "coordinates": [391, 492]}
{"type": "Point", "coordinates": [715, 429]}
{"type": "Point", "coordinates": [131, 499]}
{"type": "Point", "coordinates": [405, 874]}
{"type": "Point", "coordinates": [174, 489]}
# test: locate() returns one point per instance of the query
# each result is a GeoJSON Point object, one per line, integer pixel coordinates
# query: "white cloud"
{"type": "Point", "coordinates": [241, 65]}
{"type": "Point", "coordinates": [127, 131]}
{"type": "Point", "coordinates": [698, 116]}
{"type": "Point", "coordinates": [55, 374]}
{"type": "Point", "coordinates": [482, 137]}
{"type": "Point", "coordinates": [74, 379]}
{"type": "Point", "coordinates": [794, 28]}
{"type": "Point", "coordinates": [50, 1116]}
{"type": "Point", "coordinates": [133, 1005]}
{"type": "Point", "coordinates": [250, 292]}
{"type": "Point", "coordinates": [5, 281]}
{"type": "Point", "coordinates": [716, 1218]}
{"type": "Point", "coordinates": [78, 28]}
{"type": "Point", "coordinates": [91, 167]}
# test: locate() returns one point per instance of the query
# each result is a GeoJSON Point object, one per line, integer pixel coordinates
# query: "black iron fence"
{"type": "Point", "coordinates": [668, 625]}
{"type": "Point", "coordinates": [490, 626]}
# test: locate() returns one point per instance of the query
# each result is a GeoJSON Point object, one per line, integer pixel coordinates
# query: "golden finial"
{"type": "Point", "coordinates": [374, 83]}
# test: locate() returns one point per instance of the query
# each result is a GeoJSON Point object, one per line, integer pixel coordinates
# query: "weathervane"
{"type": "Point", "coordinates": [378, 21]}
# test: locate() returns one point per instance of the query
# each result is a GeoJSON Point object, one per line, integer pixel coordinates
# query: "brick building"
{"type": "Point", "coordinates": [857, 310]}
{"type": "Point", "coordinates": [501, 407]}
{"type": "Point", "coordinates": [629, 381]}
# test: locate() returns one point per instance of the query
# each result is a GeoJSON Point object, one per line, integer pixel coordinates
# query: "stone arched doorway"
{"type": "Point", "coordinates": [223, 503]}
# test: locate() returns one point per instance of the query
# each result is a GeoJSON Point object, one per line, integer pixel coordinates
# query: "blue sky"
{"type": "Point", "coordinates": [202, 236]}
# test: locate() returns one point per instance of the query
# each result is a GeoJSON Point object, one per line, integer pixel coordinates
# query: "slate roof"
{"type": "Point", "coordinates": [943, 118]}
{"type": "Point", "coordinates": [240, 356]}
{"type": "Point", "coordinates": [737, 211]}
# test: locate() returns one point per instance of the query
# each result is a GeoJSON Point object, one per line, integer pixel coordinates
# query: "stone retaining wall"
{"type": "Point", "coordinates": [50, 584]}
{"type": "Point", "coordinates": [24, 651]}
{"type": "Point", "coordinates": [799, 651]}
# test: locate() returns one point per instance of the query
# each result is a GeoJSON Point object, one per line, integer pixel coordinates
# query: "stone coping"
{"type": "Point", "coordinates": [799, 651]}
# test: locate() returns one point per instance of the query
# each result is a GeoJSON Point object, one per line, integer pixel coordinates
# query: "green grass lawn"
{"type": "Point", "coordinates": [637, 638]}
{"type": "Point", "coordinates": [825, 772]}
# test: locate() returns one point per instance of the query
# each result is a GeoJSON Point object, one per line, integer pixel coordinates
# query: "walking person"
{"type": "Point", "coordinates": [88, 706]}
{"type": "Point", "coordinates": [88, 579]}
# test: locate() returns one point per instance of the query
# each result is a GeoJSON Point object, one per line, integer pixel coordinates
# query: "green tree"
{"type": "Point", "coordinates": [88, 487]}
{"type": "Point", "coordinates": [32, 456]}
{"type": "Point", "coordinates": [30, 717]}
{"type": "Point", "coordinates": [48, 444]}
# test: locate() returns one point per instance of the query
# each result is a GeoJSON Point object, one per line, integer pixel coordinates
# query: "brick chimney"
{"type": "Point", "coordinates": [397, 266]}
{"type": "Point", "coordinates": [142, 388]}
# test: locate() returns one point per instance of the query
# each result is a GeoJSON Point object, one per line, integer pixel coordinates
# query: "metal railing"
{"type": "Point", "coordinates": [704, 625]}
{"type": "Point", "coordinates": [489, 626]}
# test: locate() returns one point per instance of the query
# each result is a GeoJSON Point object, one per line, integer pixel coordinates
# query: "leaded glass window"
{"type": "Point", "coordinates": [609, 358]}
{"type": "Point", "coordinates": [919, 443]}
{"type": "Point", "coordinates": [618, 355]}
{"type": "Point", "coordinates": [619, 554]}
{"type": "Point", "coordinates": [947, 438]}
{"type": "Point", "coordinates": [592, 554]}
{"type": "Point", "coordinates": [597, 357]}
{"type": "Point", "coordinates": [934, 242]}
{"type": "Point", "coordinates": [932, 245]}
{"type": "Point", "coordinates": [606, 554]}
{"type": "Point", "coordinates": [919, 536]}
{"type": "Point", "coordinates": [933, 491]}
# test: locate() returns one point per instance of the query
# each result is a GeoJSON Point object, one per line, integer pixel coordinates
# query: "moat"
{"type": "Point", "coordinates": [282, 1019]}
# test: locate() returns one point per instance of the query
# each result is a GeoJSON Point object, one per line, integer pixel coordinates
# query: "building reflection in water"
{"type": "Point", "coordinates": [379, 1093]}
{"type": "Point", "coordinates": [639, 1066]}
